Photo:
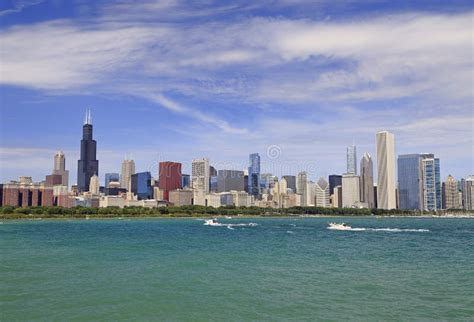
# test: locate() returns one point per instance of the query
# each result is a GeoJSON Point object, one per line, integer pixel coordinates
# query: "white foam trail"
{"type": "Point", "coordinates": [394, 230]}
{"type": "Point", "coordinates": [289, 232]}
{"type": "Point", "coordinates": [229, 226]}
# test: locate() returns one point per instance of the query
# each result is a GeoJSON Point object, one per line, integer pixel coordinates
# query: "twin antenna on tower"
{"type": "Point", "coordinates": [88, 118]}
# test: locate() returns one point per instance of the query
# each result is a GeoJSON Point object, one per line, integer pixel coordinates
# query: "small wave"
{"type": "Point", "coordinates": [289, 232]}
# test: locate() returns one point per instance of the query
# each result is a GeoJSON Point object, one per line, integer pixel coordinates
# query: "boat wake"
{"type": "Point", "coordinates": [334, 226]}
{"type": "Point", "coordinates": [213, 222]}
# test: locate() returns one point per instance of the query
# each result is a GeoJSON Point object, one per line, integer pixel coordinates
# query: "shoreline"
{"type": "Point", "coordinates": [205, 216]}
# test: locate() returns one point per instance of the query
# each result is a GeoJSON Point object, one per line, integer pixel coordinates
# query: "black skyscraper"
{"type": "Point", "coordinates": [87, 166]}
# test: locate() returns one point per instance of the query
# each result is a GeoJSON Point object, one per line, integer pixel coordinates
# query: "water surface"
{"type": "Point", "coordinates": [280, 269]}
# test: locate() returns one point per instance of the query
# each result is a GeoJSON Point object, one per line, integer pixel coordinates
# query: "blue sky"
{"type": "Point", "coordinates": [175, 80]}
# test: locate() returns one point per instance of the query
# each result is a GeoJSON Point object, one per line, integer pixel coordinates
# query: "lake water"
{"type": "Point", "coordinates": [421, 269]}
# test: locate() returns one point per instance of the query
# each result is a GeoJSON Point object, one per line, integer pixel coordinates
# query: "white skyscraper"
{"type": "Point", "coordinates": [350, 191]}
{"type": "Point", "coordinates": [200, 174]}
{"type": "Point", "coordinates": [352, 159]}
{"type": "Point", "coordinates": [386, 180]}
{"type": "Point", "coordinates": [367, 181]}
{"type": "Point", "coordinates": [60, 167]}
{"type": "Point", "coordinates": [128, 168]}
{"type": "Point", "coordinates": [322, 193]}
{"type": "Point", "coordinates": [94, 185]}
{"type": "Point", "coordinates": [301, 187]}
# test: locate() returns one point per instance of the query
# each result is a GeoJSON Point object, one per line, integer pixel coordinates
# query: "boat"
{"type": "Point", "coordinates": [341, 226]}
{"type": "Point", "coordinates": [211, 222]}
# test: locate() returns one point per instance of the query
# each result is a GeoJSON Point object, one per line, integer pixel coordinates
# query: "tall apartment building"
{"type": "Point", "coordinates": [386, 181]}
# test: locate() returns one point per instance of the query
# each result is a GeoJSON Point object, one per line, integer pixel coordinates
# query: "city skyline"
{"type": "Point", "coordinates": [297, 83]}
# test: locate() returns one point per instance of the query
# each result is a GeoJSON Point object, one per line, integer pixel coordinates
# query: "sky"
{"type": "Point", "coordinates": [295, 80]}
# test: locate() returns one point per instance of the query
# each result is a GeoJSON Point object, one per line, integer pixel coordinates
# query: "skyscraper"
{"type": "Point", "coordinates": [88, 165]}
{"type": "Point", "coordinates": [200, 175]}
{"type": "Point", "coordinates": [322, 193]}
{"type": "Point", "coordinates": [468, 193]}
{"type": "Point", "coordinates": [350, 190]}
{"type": "Point", "coordinates": [60, 167]}
{"type": "Point", "coordinates": [290, 182]}
{"type": "Point", "coordinates": [451, 194]}
{"type": "Point", "coordinates": [94, 185]}
{"type": "Point", "coordinates": [254, 174]}
{"type": "Point", "coordinates": [334, 181]}
{"type": "Point", "coordinates": [351, 159]}
{"type": "Point", "coordinates": [128, 169]}
{"type": "Point", "coordinates": [228, 180]}
{"type": "Point", "coordinates": [170, 177]}
{"type": "Point", "coordinates": [301, 187]}
{"type": "Point", "coordinates": [367, 181]}
{"type": "Point", "coordinates": [431, 182]}
{"type": "Point", "coordinates": [140, 185]}
{"type": "Point", "coordinates": [410, 188]}
{"type": "Point", "coordinates": [386, 186]}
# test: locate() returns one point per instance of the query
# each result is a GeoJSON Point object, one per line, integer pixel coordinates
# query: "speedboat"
{"type": "Point", "coordinates": [211, 222]}
{"type": "Point", "coordinates": [341, 226]}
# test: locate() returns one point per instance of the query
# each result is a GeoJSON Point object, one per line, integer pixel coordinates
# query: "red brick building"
{"type": "Point", "coordinates": [169, 177]}
{"type": "Point", "coordinates": [18, 194]}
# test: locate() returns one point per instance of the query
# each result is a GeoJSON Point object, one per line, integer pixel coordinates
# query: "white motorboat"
{"type": "Point", "coordinates": [211, 222]}
{"type": "Point", "coordinates": [341, 226]}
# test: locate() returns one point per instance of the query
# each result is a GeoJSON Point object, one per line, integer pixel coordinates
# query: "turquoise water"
{"type": "Point", "coordinates": [281, 269]}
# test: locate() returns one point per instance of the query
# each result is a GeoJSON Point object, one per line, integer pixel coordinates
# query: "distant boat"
{"type": "Point", "coordinates": [211, 222]}
{"type": "Point", "coordinates": [88, 217]}
{"type": "Point", "coordinates": [341, 226]}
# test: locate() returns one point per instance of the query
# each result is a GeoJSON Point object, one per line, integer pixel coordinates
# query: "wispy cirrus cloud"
{"type": "Point", "coordinates": [418, 63]}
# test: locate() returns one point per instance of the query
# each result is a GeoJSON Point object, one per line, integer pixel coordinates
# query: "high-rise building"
{"type": "Point", "coordinates": [468, 193]}
{"type": "Point", "coordinates": [94, 185]}
{"type": "Point", "coordinates": [228, 180]}
{"type": "Point", "coordinates": [301, 186]}
{"type": "Point", "coordinates": [128, 169]}
{"type": "Point", "coordinates": [451, 194]}
{"type": "Point", "coordinates": [431, 182]}
{"type": "Point", "coordinates": [88, 165]}
{"type": "Point", "coordinates": [200, 175]}
{"type": "Point", "coordinates": [60, 168]}
{"type": "Point", "coordinates": [254, 174]}
{"type": "Point", "coordinates": [185, 181]}
{"type": "Point", "coordinates": [322, 193]}
{"type": "Point", "coordinates": [334, 181]}
{"type": "Point", "coordinates": [410, 187]}
{"type": "Point", "coordinates": [386, 185]}
{"type": "Point", "coordinates": [351, 159]}
{"type": "Point", "coordinates": [170, 177]}
{"type": "Point", "coordinates": [350, 190]}
{"type": "Point", "coordinates": [140, 185]}
{"type": "Point", "coordinates": [111, 177]}
{"type": "Point", "coordinates": [290, 182]}
{"type": "Point", "coordinates": [367, 181]}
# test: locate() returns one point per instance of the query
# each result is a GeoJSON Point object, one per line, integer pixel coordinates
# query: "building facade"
{"type": "Point", "coordinates": [350, 191]}
{"type": "Point", "coordinates": [301, 188]}
{"type": "Point", "coordinates": [367, 181]}
{"type": "Point", "coordinates": [386, 181]}
{"type": "Point", "coordinates": [254, 174]}
{"type": "Point", "coordinates": [128, 169]}
{"type": "Point", "coordinates": [410, 188]}
{"type": "Point", "coordinates": [60, 168]}
{"type": "Point", "coordinates": [351, 159]}
{"type": "Point", "coordinates": [451, 198]}
{"type": "Point", "coordinates": [87, 165]}
{"type": "Point", "coordinates": [228, 180]}
{"type": "Point", "coordinates": [111, 177]}
{"type": "Point", "coordinates": [169, 177]}
{"type": "Point", "coordinates": [141, 185]}
{"type": "Point", "coordinates": [431, 182]}
{"type": "Point", "coordinates": [334, 181]}
{"type": "Point", "coordinates": [200, 175]}
{"type": "Point", "coordinates": [322, 193]}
